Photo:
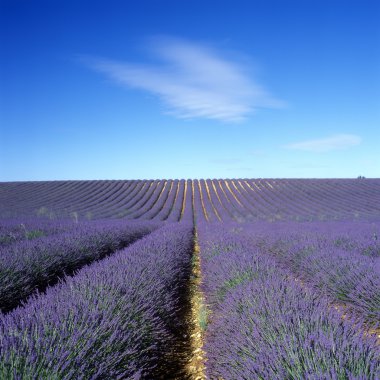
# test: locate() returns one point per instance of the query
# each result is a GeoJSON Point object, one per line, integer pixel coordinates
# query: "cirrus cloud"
{"type": "Point", "coordinates": [192, 80]}
{"type": "Point", "coordinates": [335, 142]}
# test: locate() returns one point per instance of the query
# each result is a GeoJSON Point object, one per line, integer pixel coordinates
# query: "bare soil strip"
{"type": "Point", "coordinates": [197, 319]}
{"type": "Point", "coordinates": [183, 201]}
{"type": "Point", "coordinates": [185, 360]}
{"type": "Point", "coordinates": [202, 203]}
{"type": "Point", "coordinates": [211, 202]}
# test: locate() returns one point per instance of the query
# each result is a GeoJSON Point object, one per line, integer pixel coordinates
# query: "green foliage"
{"type": "Point", "coordinates": [236, 280]}
{"type": "Point", "coordinates": [33, 234]}
{"type": "Point", "coordinates": [203, 317]}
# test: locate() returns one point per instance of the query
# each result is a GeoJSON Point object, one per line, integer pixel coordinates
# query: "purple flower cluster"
{"type": "Point", "coordinates": [18, 229]}
{"type": "Point", "coordinates": [30, 265]}
{"type": "Point", "coordinates": [187, 210]}
{"type": "Point", "coordinates": [340, 260]}
{"type": "Point", "coordinates": [265, 325]}
{"type": "Point", "coordinates": [176, 210]}
{"type": "Point", "coordinates": [115, 319]}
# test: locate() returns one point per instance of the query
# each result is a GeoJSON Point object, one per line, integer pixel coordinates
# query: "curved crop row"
{"type": "Point", "coordinates": [264, 326]}
{"type": "Point", "coordinates": [214, 200]}
{"type": "Point", "coordinates": [30, 265]}
{"type": "Point", "coordinates": [347, 270]}
{"type": "Point", "coordinates": [118, 318]}
{"type": "Point", "coordinates": [16, 230]}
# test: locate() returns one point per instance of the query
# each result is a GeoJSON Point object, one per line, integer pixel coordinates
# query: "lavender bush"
{"type": "Point", "coordinates": [265, 326]}
{"type": "Point", "coordinates": [118, 318]}
{"type": "Point", "coordinates": [35, 264]}
{"type": "Point", "coordinates": [18, 229]}
{"type": "Point", "coordinates": [330, 258]}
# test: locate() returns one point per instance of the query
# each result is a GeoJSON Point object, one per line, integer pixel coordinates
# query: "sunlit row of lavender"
{"type": "Point", "coordinates": [117, 318]}
{"type": "Point", "coordinates": [30, 264]}
{"type": "Point", "coordinates": [266, 323]}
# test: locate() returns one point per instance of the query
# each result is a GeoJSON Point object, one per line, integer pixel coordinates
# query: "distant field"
{"type": "Point", "coordinates": [190, 279]}
{"type": "Point", "coordinates": [206, 200]}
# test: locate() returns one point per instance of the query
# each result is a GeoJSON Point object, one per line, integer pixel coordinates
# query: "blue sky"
{"type": "Point", "coordinates": [189, 89]}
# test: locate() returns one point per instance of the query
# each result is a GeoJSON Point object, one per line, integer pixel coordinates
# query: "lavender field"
{"type": "Point", "coordinates": [190, 279]}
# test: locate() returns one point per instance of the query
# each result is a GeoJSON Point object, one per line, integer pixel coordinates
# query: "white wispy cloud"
{"type": "Point", "coordinates": [192, 80]}
{"type": "Point", "coordinates": [327, 144]}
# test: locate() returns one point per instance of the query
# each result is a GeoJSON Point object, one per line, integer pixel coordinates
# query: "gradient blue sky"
{"type": "Point", "coordinates": [189, 89]}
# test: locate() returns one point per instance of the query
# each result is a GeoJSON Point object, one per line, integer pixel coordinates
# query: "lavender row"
{"type": "Point", "coordinates": [176, 210]}
{"type": "Point", "coordinates": [344, 268]}
{"type": "Point", "coordinates": [356, 237]}
{"type": "Point", "coordinates": [36, 264]}
{"type": "Point", "coordinates": [264, 326]}
{"type": "Point", "coordinates": [118, 318]}
{"type": "Point", "coordinates": [359, 237]}
{"type": "Point", "coordinates": [187, 212]}
{"type": "Point", "coordinates": [15, 230]}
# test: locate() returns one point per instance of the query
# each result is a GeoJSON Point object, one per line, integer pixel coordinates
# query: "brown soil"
{"type": "Point", "coordinates": [196, 364]}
